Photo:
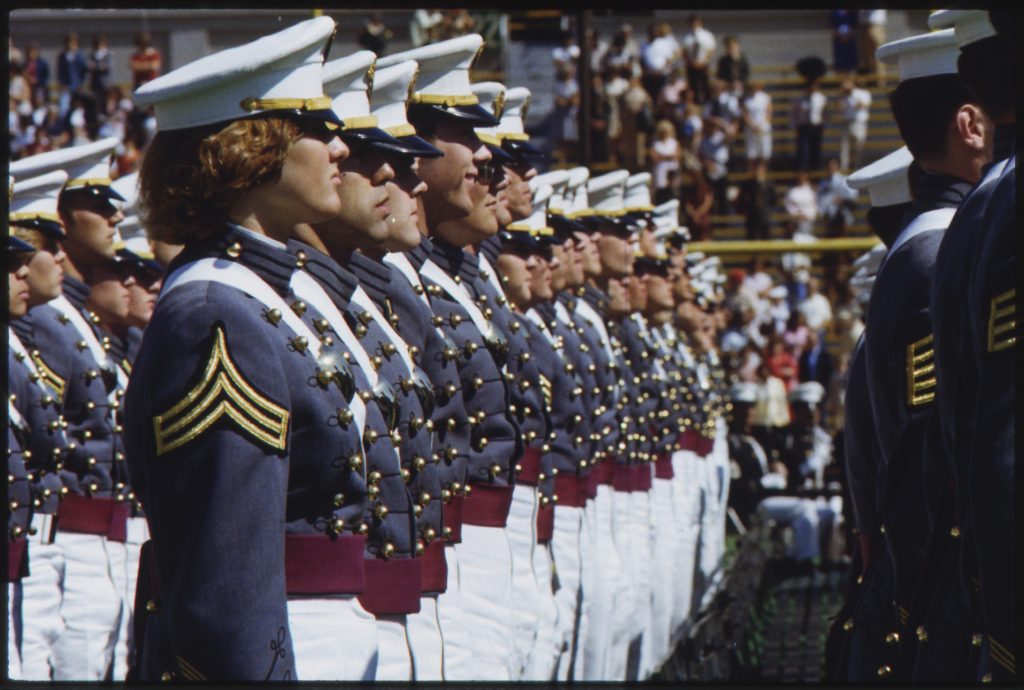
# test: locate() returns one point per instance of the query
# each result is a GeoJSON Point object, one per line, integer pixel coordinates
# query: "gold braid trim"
{"type": "Point", "coordinates": [222, 391]}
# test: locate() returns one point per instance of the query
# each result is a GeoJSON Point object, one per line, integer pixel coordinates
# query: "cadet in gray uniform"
{"type": "Point", "coordinates": [71, 354]}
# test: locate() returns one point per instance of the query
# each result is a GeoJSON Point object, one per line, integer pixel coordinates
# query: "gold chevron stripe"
{"type": "Point", "coordinates": [1001, 310]}
{"type": "Point", "coordinates": [920, 363]}
{"type": "Point", "coordinates": [189, 671]}
{"type": "Point", "coordinates": [49, 375]}
{"type": "Point", "coordinates": [545, 387]}
{"type": "Point", "coordinates": [221, 391]}
{"type": "Point", "coordinates": [1002, 655]}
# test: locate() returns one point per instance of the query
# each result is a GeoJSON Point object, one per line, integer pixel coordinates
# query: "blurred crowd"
{"type": "Point", "coordinates": [686, 105]}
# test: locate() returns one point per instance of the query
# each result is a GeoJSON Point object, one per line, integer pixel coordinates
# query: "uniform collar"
{"type": "Point", "coordinates": [75, 291]}
{"type": "Point", "coordinates": [268, 259]}
{"type": "Point", "coordinates": [419, 254]}
{"type": "Point", "coordinates": [455, 261]}
{"type": "Point", "coordinates": [491, 248]}
{"type": "Point", "coordinates": [374, 276]}
{"type": "Point", "coordinates": [937, 190]}
{"type": "Point", "coordinates": [1002, 146]}
{"type": "Point", "coordinates": [595, 298]}
{"type": "Point", "coordinates": [339, 283]}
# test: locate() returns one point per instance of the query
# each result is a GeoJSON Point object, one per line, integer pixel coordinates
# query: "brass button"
{"type": "Point", "coordinates": [987, 678]}
{"type": "Point", "coordinates": [389, 550]}
{"type": "Point", "coordinates": [848, 625]}
{"type": "Point", "coordinates": [151, 606]}
{"type": "Point", "coordinates": [381, 511]}
{"type": "Point", "coordinates": [167, 676]}
{"type": "Point", "coordinates": [884, 671]}
{"type": "Point", "coordinates": [922, 634]}
{"type": "Point", "coordinates": [954, 532]}
{"type": "Point", "coordinates": [234, 251]}
{"type": "Point", "coordinates": [892, 638]}
{"type": "Point", "coordinates": [976, 640]}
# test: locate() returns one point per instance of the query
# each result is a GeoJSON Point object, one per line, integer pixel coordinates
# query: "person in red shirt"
{"type": "Point", "coordinates": [145, 61]}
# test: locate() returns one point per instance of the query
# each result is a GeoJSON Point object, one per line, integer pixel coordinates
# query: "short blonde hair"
{"type": "Point", "coordinates": [664, 129]}
{"type": "Point", "coordinates": [189, 178]}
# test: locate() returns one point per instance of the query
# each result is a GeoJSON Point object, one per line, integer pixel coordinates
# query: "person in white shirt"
{"type": "Point", "coordinates": [816, 308]}
{"type": "Point", "coordinates": [853, 109]}
{"type": "Point", "coordinates": [836, 199]}
{"type": "Point", "coordinates": [802, 204]}
{"type": "Point", "coordinates": [698, 50]}
{"type": "Point", "coordinates": [714, 156]}
{"type": "Point", "coordinates": [658, 56]}
{"type": "Point", "coordinates": [757, 121]}
{"type": "Point", "coordinates": [808, 120]}
{"type": "Point", "coordinates": [870, 35]}
{"type": "Point", "coordinates": [724, 106]}
{"type": "Point", "coordinates": [566, 55]}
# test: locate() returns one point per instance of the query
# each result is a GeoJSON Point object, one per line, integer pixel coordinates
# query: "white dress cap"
{"type": "Point", "coordinates": [970, 26]}
{"type": "Point", "coordinates": [694, 258]}
{"type": "Point", "coordinates": [490, 95]}
{"type": "Point", "coordinates": [638, 193]}
{"type": "Point", "coordinates": [810, 392]}
{"type": "Point", "coordinates": [537, 222]}
{"type": "Point", "coordinates": [35, 198]}
{"type": "Point", "coordinates": [444, 70]}
{"type": "Point", "coordinates": [87, 166]}
{"type": "Point", "coordinates": [391, 86]}
{"type": "Point", "coordinates": [778, 292]}
{"type": "Point", "coordinates": [517, 101]}
{"type": "Point", "coordinates": [886, 179]}
{"type": "Point", "coordinates": [128, 187]}
{"type": "Point", "coordinates": [347, 81]}
{"type": "Point", "coordinates": [926, 55]}
{"type": "Point", "coordinates": [607, 193]}
{"type": "Point", "coordinates": [282, 71]}
{"type": "Point", "coordinates": [559, 183]}
{"type": "Point", "coordinates": [577, 187]}
{"type": "Point", "coordinates": [743, 392]}
{"type": "Point", "coordinates": [666, 218]}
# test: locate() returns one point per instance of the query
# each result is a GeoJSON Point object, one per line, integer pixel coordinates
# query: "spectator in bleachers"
{"type": "Point", "coordinates": [597, 48]}
{"type": "Point", "coordinates": [698, 46]}
{"type": "Point", "coordinates": [815, 307]}
{"type": "Point", "coordinates": [778, 310]}
{"type": "Point", "coordinates": [714, 158]}
{"type": "Point", "coordinates": [456, 23]}
{"type": "Point", "coordinates": [614, 90]}
{"type": "Point", "coordinates": [780, 361]}
{"type": "Point", "coordinates": [425, 27]}
{"type": "Point", "coordinates": [836, 200]}
{"type": "Point", "coordinates": [623, 51]}
{"type": "Point", "coordinates": [816, 362]}
{"type": "Point", "coordinates": [99, 69]}
{"type": "Point", "coordinates": [757, 201]}
{"type": "Point", "coordinates": [566, 55]}
{"type": "Point", "coordinates": [599, 114]}
{"type": "Point", "coordinates": [566, 115]}
{"type": "Point", "coordinates": [145, 62]}
{"type": "Point", "coordinates": [801, 205]}
{"type": "Point", "coordinates": [693, 125]}
{"type": "Point", "coordinates": [658, 57]}
{"type": "Point", "coordinates": [795, 336]}
{"type": "Point", "coordinates": [665, 155]}
{"type": "Point", "coordinates": [672, 97]}
{"type": "Point", "coordinates": [757, 124]}
{"type": "Point", "coordinates": [14, 54]}
{"type": "Point", "coordinates": [771, 411]}
{"type": "Point", "coordinates": [808, 119]}
{"type": "Point", "coordinates": [733, 67]}
{"type": "Point", "coordinates": [724, 106]}
{"type": "Point", "coordinates": [375, 35]}
{"type": "Point", "coordinates": [853, 110]}
{"type": "Point", "coordinates": [698, 200]}
{"type": "Point", "coordinates": [37, 72]}
{"type": "Point", "coordinates": [637, 114]}
{"type": "Point", "coordinates": [71, 72]}
{"type": "Point", "coordinates": [844, 40]}
{"type": "Point", "coordinates": [870, 35]}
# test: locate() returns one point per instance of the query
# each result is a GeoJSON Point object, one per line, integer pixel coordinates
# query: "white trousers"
{"type": "Point", "coordinates": [686, 483]}
{"type": "Point", "coordinates": [426, 641]}
{"type": "Point", "coordinates": [13, 623]}
{"type": "Point", "coordinates": [627, 623]}
{"type": "Point", "coordinates": [565, 550]}
{"type": "Point", "coordinates": [482, 648]}
{"type": "Point", "coordinates": [640, 503]}
{"type": "Point", "coordinates": [542, 661]}
{"type": "Point", "coordinates": [127, 577]}
{"type": "Point", "coordinates": [799, 513]}
{"type": "Point", "coordinates": [665, 536]}
{"type": "Point", "coordinates": [91, 607]}
{"type": "Point", "coordinates": [588, 584]}
{"type": "Point", "coordinates": [394, 656]}
{"type": "Point", "coordinates": [449, 609]}
{"type": "Point", "coordinates": [608, 568]}
{"type": "Point", "coordinates": [525, 595]}
{"type": "Point", "coordinates": [41, 619]}
{"type": "Point", "coordinates": [333, 638]}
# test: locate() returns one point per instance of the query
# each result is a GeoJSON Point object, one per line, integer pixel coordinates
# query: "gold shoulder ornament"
{"type": "Point", "coordinates": [222, 391]}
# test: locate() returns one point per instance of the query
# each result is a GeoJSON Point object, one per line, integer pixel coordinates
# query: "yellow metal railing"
{"type": "Point", "coordinates": [837, 244]}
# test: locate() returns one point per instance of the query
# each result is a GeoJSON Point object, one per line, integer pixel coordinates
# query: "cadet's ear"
{"type": "Point", "coordinates": [973, 127]}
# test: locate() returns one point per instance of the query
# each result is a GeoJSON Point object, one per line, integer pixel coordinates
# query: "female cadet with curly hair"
{"type": "Point", "coordinates": [243, 430]}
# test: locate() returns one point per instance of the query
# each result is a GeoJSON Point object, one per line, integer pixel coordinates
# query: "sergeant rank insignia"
{"type": "Point", "coordinates": [1002, 322]}
{"type": "Point", "coordinates": [921, 371]}
{"type": "Point", "coordinates": [222, 391]}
